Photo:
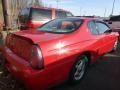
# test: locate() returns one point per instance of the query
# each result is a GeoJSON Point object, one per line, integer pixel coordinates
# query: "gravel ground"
{"type": "Point", "coordinates": [7, 81]}
{"type": "Point", "coordinates": [102, 75]}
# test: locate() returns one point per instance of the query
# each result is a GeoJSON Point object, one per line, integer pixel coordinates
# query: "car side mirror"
{"type": "Point", "coordinates": [109, 22]}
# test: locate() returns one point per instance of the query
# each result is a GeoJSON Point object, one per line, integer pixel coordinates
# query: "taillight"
{"type": "Point", "coordinates": [36, 59]}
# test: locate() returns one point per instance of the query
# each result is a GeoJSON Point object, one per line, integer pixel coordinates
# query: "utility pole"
{"type": "Point", "coordinates": [80, 11]}
{"type": "Point", "coordinates": [6, 14]}
{"type": "Point", "coordinates": [7, 23]}
{"type": "Point", "coordinates": [105, 12]}
{"type": "Point", "coordinates": [113, 7]}
{"type": "Point", "coordinates": [57, 1]}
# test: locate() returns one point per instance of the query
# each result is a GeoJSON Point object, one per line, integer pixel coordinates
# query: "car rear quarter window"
{"type": "Point", "coordinates": [102, 27]}
{"type": "Point", "coordinates": [41, 14]}
{"type": "Point", "coordinates": [93, 28]}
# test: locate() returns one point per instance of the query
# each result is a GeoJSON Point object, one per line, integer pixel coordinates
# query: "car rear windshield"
{"type": "Point", "coordinates": [41, 14]}
{"type": "Point", "coordinates": [61, 25]}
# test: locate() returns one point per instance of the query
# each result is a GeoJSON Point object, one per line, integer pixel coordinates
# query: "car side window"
{"type": "Point", "coordinates": [24, 15]}
{"type": "Point", "coordinates": [68, 14]}
{"type": "Point", "coordinates": [92, 27]}
{"type": "Point", "coordinates": [102, 27]}
{"type": "Point", "coordinates": [60, 14]}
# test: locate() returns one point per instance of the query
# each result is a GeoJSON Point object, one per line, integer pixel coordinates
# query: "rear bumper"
{"type": "Point", "coordinates": [52, 74]}
{"type": "Point", "coordinates": [23, 71]}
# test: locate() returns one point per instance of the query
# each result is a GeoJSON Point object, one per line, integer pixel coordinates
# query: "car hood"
{"type": "Point", "coordinates": [37, 36]}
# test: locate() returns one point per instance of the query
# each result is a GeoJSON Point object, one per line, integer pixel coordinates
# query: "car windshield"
{"type": "Point", "coordinates": [61, 25]}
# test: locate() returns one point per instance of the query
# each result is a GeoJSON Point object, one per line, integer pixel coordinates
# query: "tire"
{"type": "Point", "coordinates": [79, 69]}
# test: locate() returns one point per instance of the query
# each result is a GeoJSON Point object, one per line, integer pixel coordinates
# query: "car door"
{"type": "Point", "coordinates": [108, 38]}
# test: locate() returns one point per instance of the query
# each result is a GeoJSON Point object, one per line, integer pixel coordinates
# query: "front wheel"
{"type": "Point", "coordinates": [79, 69]}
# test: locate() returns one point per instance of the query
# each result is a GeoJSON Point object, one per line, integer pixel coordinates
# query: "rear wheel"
{"type": "Point", "coordinates": [79, 69]}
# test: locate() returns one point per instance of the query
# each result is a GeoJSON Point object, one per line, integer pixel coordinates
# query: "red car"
{"type": "Point", "coordinates": [32, 17]}
{"type": "Point", "coordinates": [57, 51]}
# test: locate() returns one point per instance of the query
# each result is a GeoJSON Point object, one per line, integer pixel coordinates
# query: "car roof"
{"type": "Point", "coordinates": [47, 8]}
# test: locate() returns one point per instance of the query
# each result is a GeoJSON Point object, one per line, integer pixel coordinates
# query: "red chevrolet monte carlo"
{"type": "Point", "coordinates": [57, 51]}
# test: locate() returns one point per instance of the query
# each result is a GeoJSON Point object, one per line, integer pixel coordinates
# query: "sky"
{"type": "Point", "coordinates": [86, 7]}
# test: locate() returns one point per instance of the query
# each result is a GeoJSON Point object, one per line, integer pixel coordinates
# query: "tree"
{"type": "Point", "coordinates": [15, 6]}
{"type": "Point", "coordinates": [1, 13]}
